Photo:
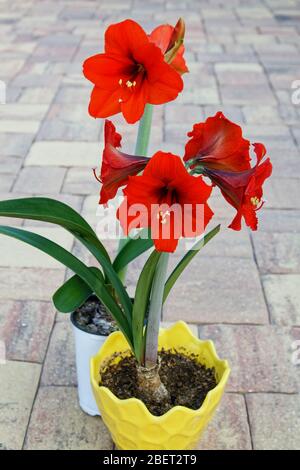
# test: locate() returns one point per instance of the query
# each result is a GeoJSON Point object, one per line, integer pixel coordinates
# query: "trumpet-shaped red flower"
{"type": "Point", "coordinates": [169, 39]}
{"type": "Point", "coordinates": [244, 190]}
{"type": "Point", "coordinates": [131, 73]}
{"type": "Point", "coordinates": [218, 150]}
{"type": "Point", "coordinates": [167, 199]}
{"type": "Point", "coordinates": [116, 165]}
{"type": "Point", "coordinates": [218, 143]}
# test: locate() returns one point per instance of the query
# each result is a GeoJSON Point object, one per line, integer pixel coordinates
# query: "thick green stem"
{"type": "Point", "coordinates": [142, 141]}
{"type": "Point", "coordinates": [155, 310]}
{"type": "Point", "coordinates": [141, 148]}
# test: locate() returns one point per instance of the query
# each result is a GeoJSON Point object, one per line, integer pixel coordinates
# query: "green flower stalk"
{"type": "Point", "coordinates": [141, 149]}
{"type": "Point", "coordinates": [155, 311]}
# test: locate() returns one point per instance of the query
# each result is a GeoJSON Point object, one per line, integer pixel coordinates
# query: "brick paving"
{"type": "Point", "coordinates": [243, 292]}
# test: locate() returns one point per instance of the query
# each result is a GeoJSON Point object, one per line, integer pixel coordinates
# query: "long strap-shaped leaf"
{"type": "Point", "coordinates": [115, 281]}
{"type": "Point", "coordinates": [70, 261]}
{"type": "Point", "coordinates": [53, 211]}
{"type": "Point", "coordinates": [56, 212]}
{"type": "Point", "coordinates": [141, 302]}
{"type": "Point", "coordinates": [74, 292]}
{"type": "Point", "coordinates": [187, 258]}
{"type": "Point", "coordinates": [132, 249]}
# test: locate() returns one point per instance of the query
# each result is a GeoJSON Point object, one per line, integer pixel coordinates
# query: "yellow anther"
{"type": "Point", "coordinates": [120, 81]}
{"type": "Point", "coordinates": [120, 100]}
{"type": "Point", "coordinates": [134, 83]}
{"type": "Point", "coordinates": [255, 201]}
{"type": "Point", "coordinates": [129, 83]}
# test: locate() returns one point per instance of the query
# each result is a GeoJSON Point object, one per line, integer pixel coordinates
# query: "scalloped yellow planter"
{"type": "Point", "coordinates": [131, 425]}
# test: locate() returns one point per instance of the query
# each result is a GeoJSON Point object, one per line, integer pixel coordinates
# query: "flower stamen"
{"type": "Point", "coordinates": [255, 201]}
{"type": "Point", "coordinates": [129, 83]}
{"type": "Point", "coordinates": [162, 216]}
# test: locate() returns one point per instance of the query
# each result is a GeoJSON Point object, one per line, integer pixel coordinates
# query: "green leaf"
{"type": "Point", "coordinates": [141, 302]}
{"type": "Point", "coordinates": [132, 249]}
{"type": "Point", "coordinates": [56, 212]}
{"type": "Point", "coordinates": [73, 293]}
{"type": "Point", "coordinates": [187, 258]}
{"type": "Point", "coordinates": [117, 285]}
{"type": "Point", "coordinates": [78, 267]}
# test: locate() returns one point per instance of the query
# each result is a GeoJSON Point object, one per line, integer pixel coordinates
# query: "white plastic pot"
{"type": "Point", "coordinates": [86, 346]}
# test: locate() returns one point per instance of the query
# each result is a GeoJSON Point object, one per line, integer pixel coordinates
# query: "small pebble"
{"type": "Point", "coordinates": [94, 318]}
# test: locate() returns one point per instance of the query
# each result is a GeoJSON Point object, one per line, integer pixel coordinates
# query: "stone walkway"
{"type": "Point", "coordinates": [244, 292]}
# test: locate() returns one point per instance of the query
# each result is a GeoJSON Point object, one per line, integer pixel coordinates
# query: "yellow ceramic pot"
{"type": "Point", "coordinates": [131, 425]}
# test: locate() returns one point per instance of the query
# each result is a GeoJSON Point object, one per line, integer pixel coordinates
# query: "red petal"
{"type": "Point", "coordinates": [133, 108]}
{"type": "Point", "coordinates": [236, 224]}
{"type": "Point", "coordinates": [114, 178]}
{"type": "Point", "coordinates": [142, 189]}
{"type": "Point", "coordinates": [260, 151]}
{"type": "Point", "coordinates": [198, 190]}
{"type": "Point", "coordinates": [163, 165]}
{"type": "Point", "coordinates": [111, 136]}
{"type": "Point", "coordinates": [266, 169]}
{"type": "Point", "coordinates": [116, 166]}
{"type": "Point", "coordinates": [250, 217]}
{"type": "Point", "coordinates": [107, 194]}
{"type": "Point", "coordinates": [105, 71]}
{"type": "Point", "coordinates": [166, 245]}
{"type": "Point", "coordinates": [124, 38]}
{"type": "Point", "coordinates": [178, 63]}
{"type": "Point", "coordinates": [140, 192]}
{"type": "Point", "coordinates": [164, 84]}
{"type": "Point", "coordinates": [218, 143]}
{"type": "Point", "coordinates": [161, 36]}
{"type": "Point", "coordinates": [252, 189]}
{"type": "Point", "coordinates": [130, 220]}
{"type": "Point", "coordinates": [166, 236]}
{"type": "Point", "coordinates": [150, 56]}
{"type": "Point", "coordinates": [195, 218]}
{"type": "Point", "coordinates": [104, 103]}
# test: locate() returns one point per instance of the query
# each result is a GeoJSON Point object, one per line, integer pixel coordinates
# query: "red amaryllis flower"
{"type": "Point", "coordinates": [131, 73]}
{"type": "Point", "coordinates": [167, 199]}
{"type": "Point", "coordinates": [169, 39]}
{"type": "Point", "coordinates": [243, 190]}
{"type": "Point", "coordinates": [218, 143]}
{"type": "Point", "coordinates": [116, 165]}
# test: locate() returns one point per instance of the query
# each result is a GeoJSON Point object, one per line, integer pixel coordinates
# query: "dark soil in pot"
{"type": "Point", "coordinates": [187, 381]}
{"type": "Point", "coordinates": [93, 317]}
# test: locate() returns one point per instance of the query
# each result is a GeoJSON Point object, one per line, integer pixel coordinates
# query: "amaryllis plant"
{"type": "Point", "coordinates": [166, 196]}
